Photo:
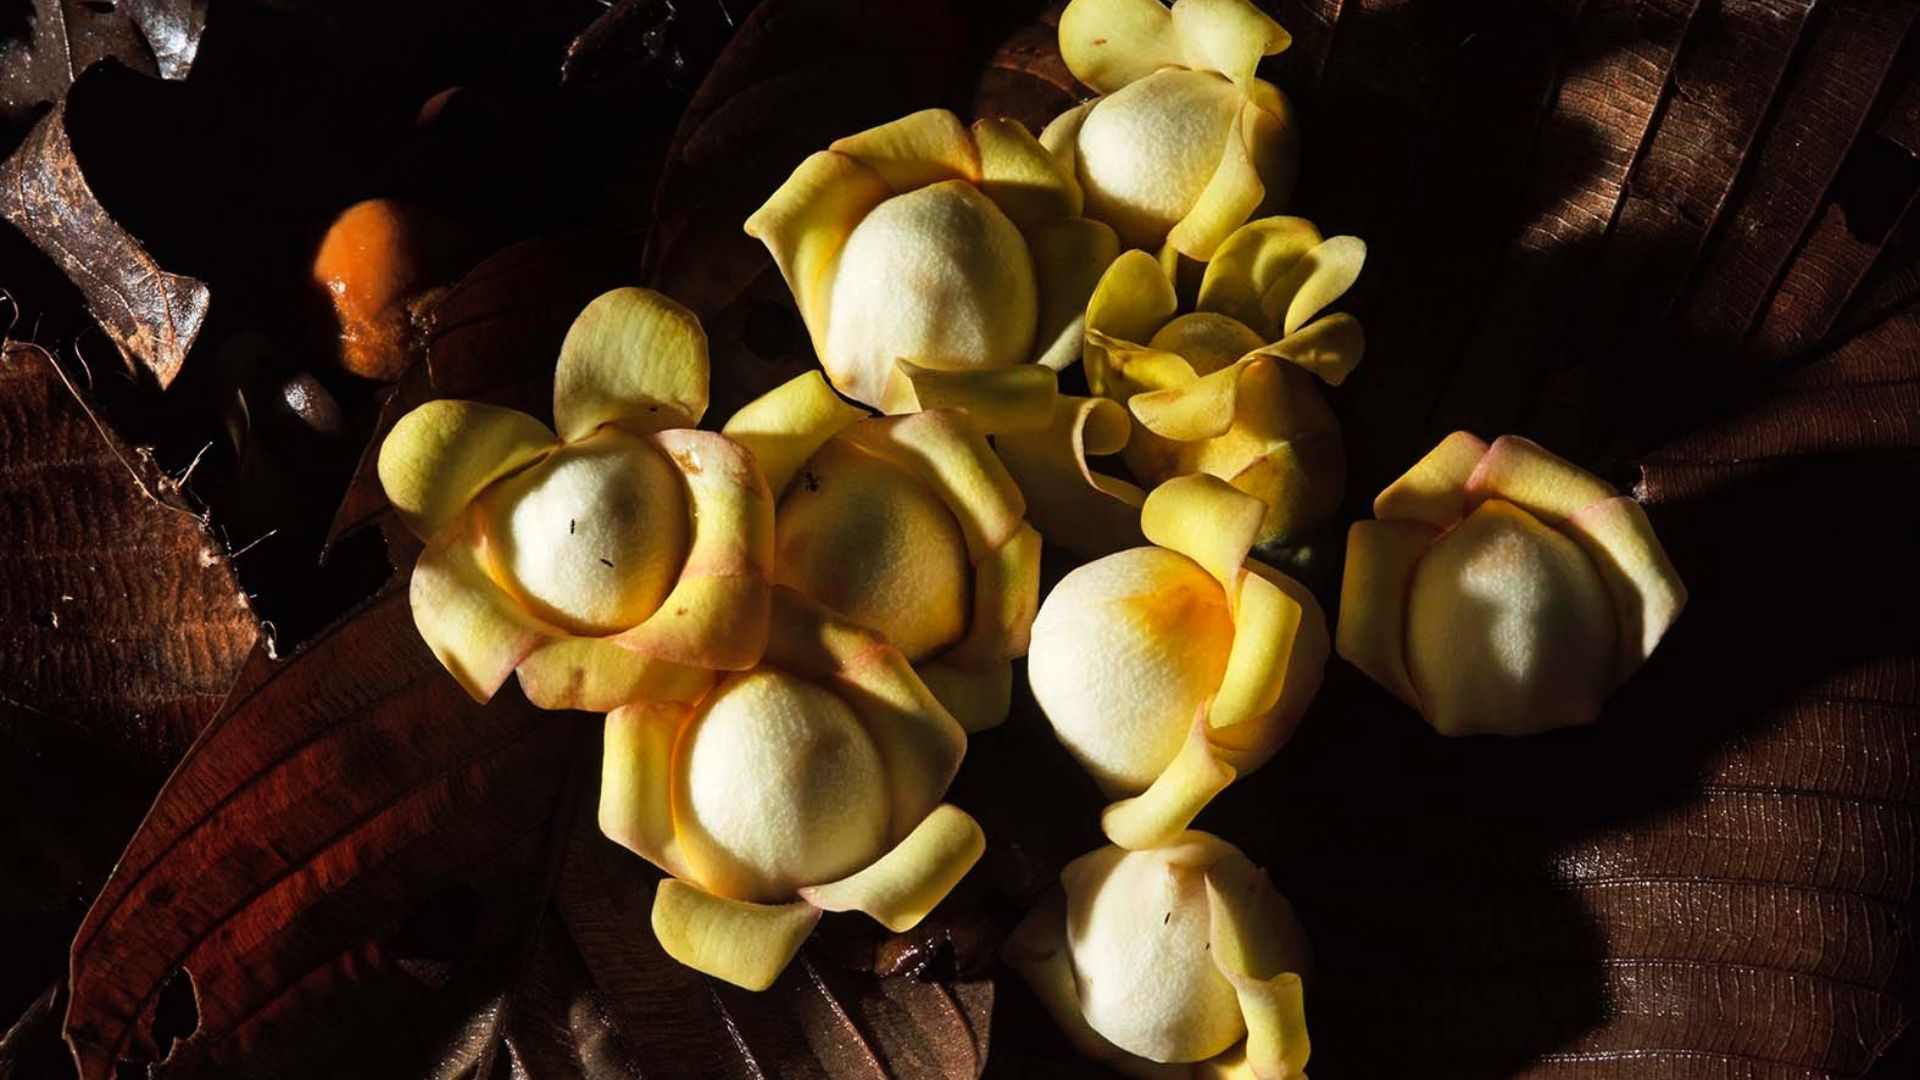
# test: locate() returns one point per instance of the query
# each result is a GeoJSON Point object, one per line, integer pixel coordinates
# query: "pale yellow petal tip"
{"type": "Point", "coordinates": [439, 457]}
{"type": "Point", "coordinates": [1017, 398]}
{"type": "Point", "coordinates": [1110, 43]}
{"type": "Point", "coordinates": [745, 944]}
{"type": "Point", "coordinates": [633, 357]}
{"type": "Point", "coordinates": [1528, 475]}
{"type": "Point", "coordinates": [916, 150]}
{"type": "Point", "coordinates": [1434, 490]}
{"type": "Point", "coordinates": [786, 425]}
{"type": "Point", "coordinates": [1228, 36]}
{"type": "Point", "coordinates": [906, 883]}
{"type": "Point", "coordinates": [1206, 519]}
{"type": "Point", "coordinates": [477, 631]}
{"type": "Point", "coordinates": [1155, 817]}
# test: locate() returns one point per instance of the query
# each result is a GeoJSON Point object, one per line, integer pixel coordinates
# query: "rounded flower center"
{"type": "Point", "coordinates": [1140, 943]}
{"type": "Point", "coordinates": [1148, 149]}
{"type": "Point", "coordinates": [1207, 340]}
{"type": "Point", "coordinates": [1126, 650]}
{"type": "Point", "coordinates": [938, 276]}
{"type": "Point", "coordinates": [1509, 628]}
{"type": "Point", "coordinates": [592, 538]}
{"type": "Point", "coordinates": [869, 540]}
{"type": "Point", "coordinates": [779, 787]}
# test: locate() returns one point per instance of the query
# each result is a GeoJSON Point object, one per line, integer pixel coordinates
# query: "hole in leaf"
{"type": "Point", "coordinates": [176, 1015]}
{"type": "Point", "coordinates": [1875, 183]}
{"type": "Point", "coordinates": [98, 7]}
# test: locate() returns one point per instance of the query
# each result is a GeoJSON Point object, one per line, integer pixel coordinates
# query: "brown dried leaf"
{"type": "Point", "coordinates": [152, 315]}
{"type": "Point", "coordinates": [59, 39]}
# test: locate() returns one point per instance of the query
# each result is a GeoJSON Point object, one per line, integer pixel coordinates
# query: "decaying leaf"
{"type": "Point", "coordinates": [53, 41]}
{"type": "Point", "coordinates": [151, 314]}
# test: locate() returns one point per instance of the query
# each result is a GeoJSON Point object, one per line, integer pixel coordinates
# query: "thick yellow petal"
{"type": "Point", "coordinates": [1022, 177]}
{"type": "Point", "coordinates": [748, 945]}
{"type": "Point", "coordinates": [916, 150]}
{"type": "Point", "coordinates": [1231, 196]}
{"type": "Point", "coordinates": [1434, 491]}
{"type": "Point", "coordinates": [1157, 815]}
{"type": "Point", "coordinates": [472, 625]}
{"type": "Point", "coordinates": [1528, 475]}
{"type": "Point", "coordinates": [786, 425]}
{"type": "Point", "coordinates": [1017, 398]}
{"type": "Point", "coordinates": [1207, 520]}
{"type": "Point", "coordinates": [632, 357]}
{"type": "Point", "coordinates": [1321, 276]}
{"type": "Point", "coordinates": [1646, 590]}
{"type": "Point", "coordinates": [442, 455]}
{"type": "Point", "coordinates": [978, 695]}
{"type": "Point", "coordinates": [806, 223]}
{"type": "Point", "coordinates": [1372, 634]}
{"type": "Point", "coordinates": [716, 615]}
{"type": "Point", "coordinates": [948, 453]}
{"type": "Point", "coordinates": [1061, 137]}
{"type": "Point", "coordinates": [1110, 43]}
{"type": "Point", "coordinates": [1006, 593]}
{"type": "Point", "coordinates": [904, 884]}
{"type": "Point", "coordinates": [1132, 369]}
{"type": "Point", "coordinates": [596, 675]}
{"type": "Point", "coordinates": [1227, 36]}
{"type": "Point", "coordinates": [636, 781]}
{"type": "Point", "coordinates": [1329, 348]}
{"type": "Point", "coordinates": [1133, 299]}
{"type": "Point", "coordinates": [1069, 258]}
{"type": "Point", "coordinates": [1245, 266]}
{"type": "Point", "coordinates": [1201, 409]}
{"type": "Point", "coordinates": [1083, 511]}
{"type": "Point", "coordinates": [919, 741]}
{"type": "Point", "coordinates": [1265, 623]}
{"type": "Point", "coordinates": [1257, 944]}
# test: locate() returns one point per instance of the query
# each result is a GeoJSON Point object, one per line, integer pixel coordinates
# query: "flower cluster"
{"type": "Point", "coordinates": [795, 624]}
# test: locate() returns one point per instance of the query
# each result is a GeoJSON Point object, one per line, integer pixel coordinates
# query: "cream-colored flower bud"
{"type": "Point", "coordinates": [1186, 143]}
{"type": "Point", "coordinates": [1504, 590]}
{"type": "Point", "coordinates": [1182, 955]}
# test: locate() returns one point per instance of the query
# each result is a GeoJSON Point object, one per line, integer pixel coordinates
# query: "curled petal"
{"type": "Point", "coordinates": [1061, 137]}
{"type": "Point", "coordinates": [1246, 265]}
{"type": "Point", "coordinates": [1528, 475]}
{"type": "Point", "coordinates": [1646, 590]}
{"type": "Point", "coordinates": [472, 625]}
{"type": "Point", "coordinates": [919, 741]}
{"type": "Point", "coordinates": [1037, 952]}
{"type": "Point", "coordinates": [597, 675]}
{"type": "Point", "coordinates": [1232, 195]}
{"type": "Point", "coordinates": [1157, 815]}
{"type": "Point", "coordinates": [632, 357]}
{"type": "Point", "coordinates": [1322, 276]}
{"type": "Point", "coordinates": [1132, 369]}
{"type": "Point", "coordinates": [1434, 491]}
{"type": "Point", "coordinates": [1022, 177]}
{"type": "Point", "coordinates": [1266, 621]}
{"type": "Point", "coordinates": [1204, 518]}
{"type": "Point", "coordinates": [1201, 409]}
{"type": "Point", "coordinates": [916, 150]}
{"type": "Point", "coordinates": [1006, 593]}
{"type": "Point", "coordinates": [1133, 299]}
{"type": "Point", "coordinates": [806, 224]}
{"type": "Point", "coordinates": [1256, 944]}
{"type": "Point", "coordinates": [440, 456]}
{"type": "Point", "coordinates": [1017, 398]}
{"type": "Point", "coordinates": [748, 945]}
{"type": "Point", "coordinates": [978, 695]}
{"type": "Point", "coordinates": [1372, 634]}
{"type": "Point", "coordinates": [1069, 258]}
{"type": "Point", "coordinates": [1073, 506]}
{"type": "Point", "coordinates": [900, 887]}
{"type": "Point", "coordinates": [1329, 348]}
{"type": "Point", "coordinates": [636, 782]}
{"type": "Point", "coordinates": [786, 425]}
{"type": "Point", "coordinates": [716, 615]}
{"type": "Point", "coordinates": [950, 455]}
{"type": "Point", "coordinates": [1110, 43]}
{"type": "Point", "coordinates": [1227, 36]}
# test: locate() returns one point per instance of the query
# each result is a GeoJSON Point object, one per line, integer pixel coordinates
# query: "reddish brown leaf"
{"type": "Point", "coordinates": [152, 315]}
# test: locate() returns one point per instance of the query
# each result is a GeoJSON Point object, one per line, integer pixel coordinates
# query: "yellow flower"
{"type": "Point", "coordinates": [625, 556]}
{"type": "Point", "coordinates": [1180, 961]}
{"type": "Point", "coordinates": [956, 250]}
{"type": "Point", "coordinates": [1186, 142]}
{"type": "Point", "coordinates": [1503, 589]}
{"type": "Point", "coordinates": [908, 525]}
{"type": "Point", "coordinates": [1168, 670]}
{"type": "Point", "coordinates": [809, 783]}
{"type": "Point", "coordinates": [1229, 389]}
